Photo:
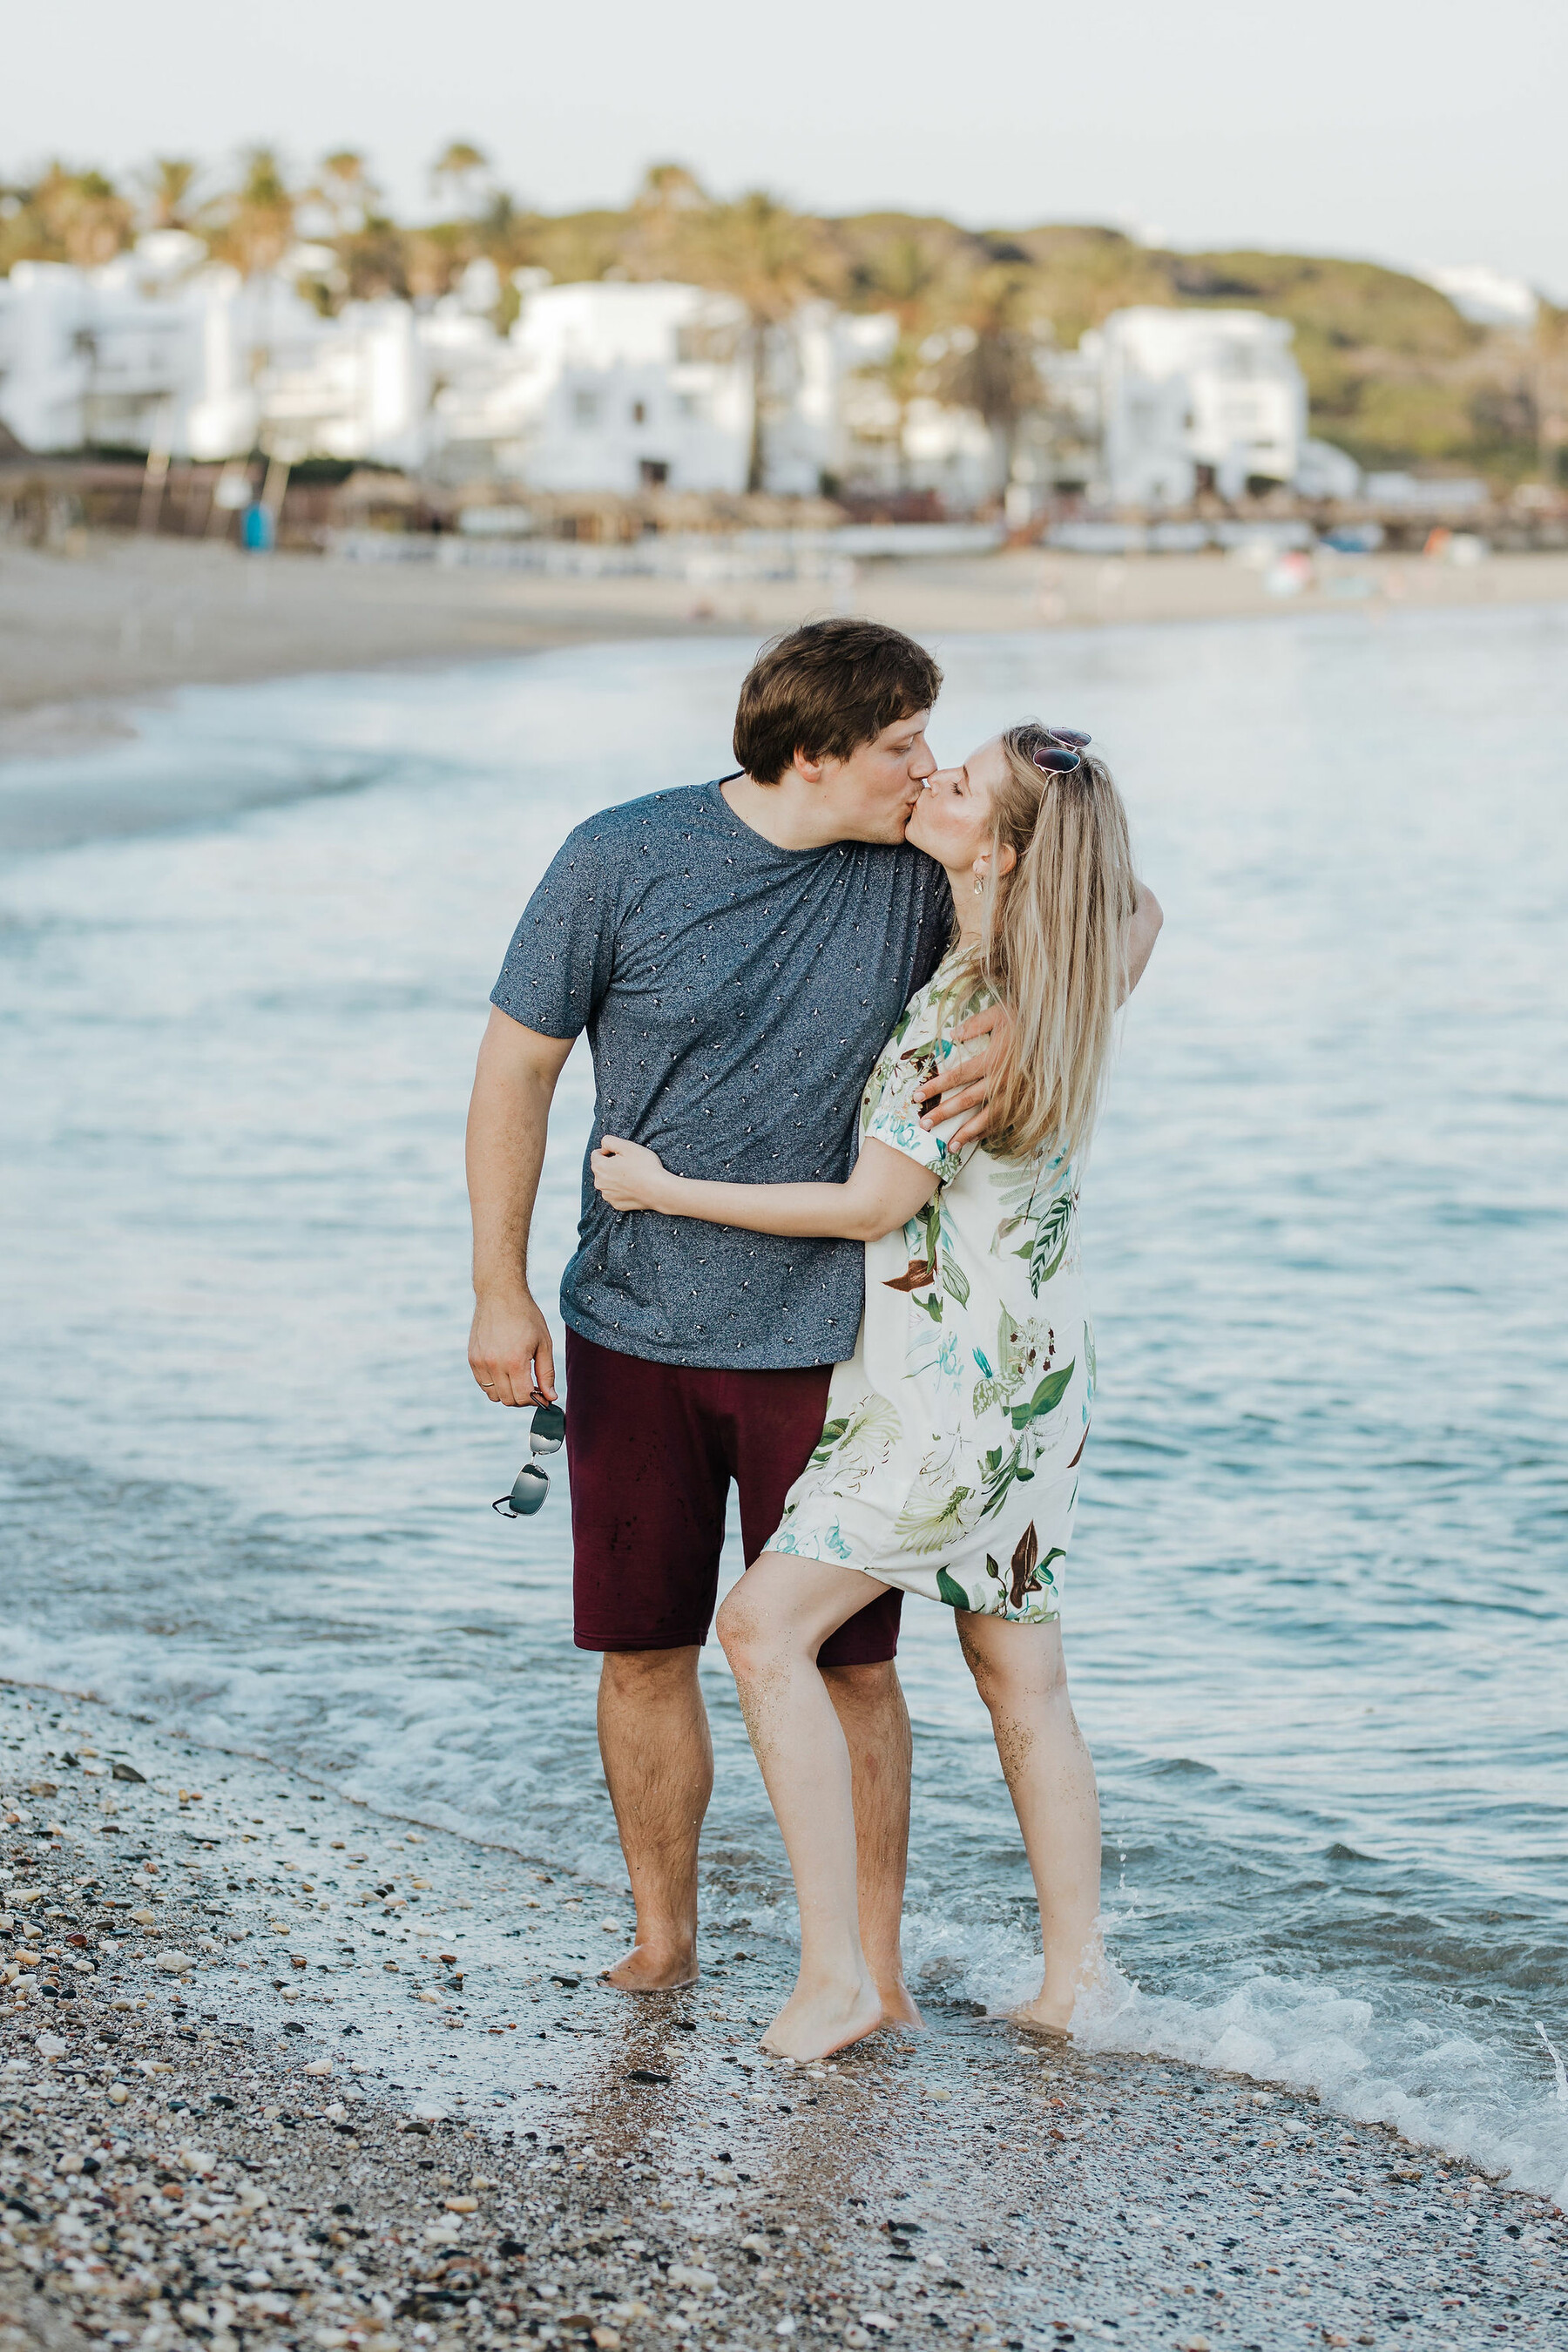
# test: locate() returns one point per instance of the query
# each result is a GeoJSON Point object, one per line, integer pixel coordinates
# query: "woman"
{"type": "Point", "coordinates": [948, 1465]}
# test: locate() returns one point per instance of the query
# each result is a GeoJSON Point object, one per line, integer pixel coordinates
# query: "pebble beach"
{"type": "Point", "coordinates": [278, 2070]}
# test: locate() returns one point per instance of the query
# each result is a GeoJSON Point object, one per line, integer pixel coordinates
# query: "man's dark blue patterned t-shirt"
{"type": "Point", "coordinates": [735, 996]}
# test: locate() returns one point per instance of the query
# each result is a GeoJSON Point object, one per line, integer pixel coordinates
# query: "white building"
{"type": "Point", "coordinates": [1182, 391]}
{"type": "Point", "coordinates": [599, 386]}
{"type": "Point", "coordinates": [1487, 297]}
{"type": "Point", "coordinates": [161, 349]}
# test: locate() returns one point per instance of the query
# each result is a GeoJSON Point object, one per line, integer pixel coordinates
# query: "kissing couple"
{"type": "Point", "coordinates": [851, 1016]}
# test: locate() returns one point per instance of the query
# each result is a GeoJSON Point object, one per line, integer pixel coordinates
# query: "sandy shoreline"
{"type": "Point", "coordinates": [84, 637]}
{"type": "Point", "coordinates": [279, 2071]}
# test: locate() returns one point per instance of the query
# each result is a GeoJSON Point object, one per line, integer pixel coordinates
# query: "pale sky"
{"type": "Point", "coordinates": [1410, 130]}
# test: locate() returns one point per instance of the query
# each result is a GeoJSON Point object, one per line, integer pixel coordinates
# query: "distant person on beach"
{"type": "Point", "coordinates": [738, 953]}
{"type": "Point", "coordinates": [947, 1461]}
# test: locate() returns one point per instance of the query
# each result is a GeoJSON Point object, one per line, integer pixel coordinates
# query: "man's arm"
{"type": "Point", "coordinates": [510, 1350]}
{"type": "Point", "coordinates": [964, 1086]}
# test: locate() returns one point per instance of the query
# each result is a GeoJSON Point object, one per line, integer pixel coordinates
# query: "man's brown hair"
{"type": "Point", "coordinates": [825, 689]}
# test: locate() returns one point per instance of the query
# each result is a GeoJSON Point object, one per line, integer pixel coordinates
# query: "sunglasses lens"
{"type": "Point", "coordinates": [529, 1489]}
{"type": "Point", "coordinates": [1068, 735]}
{"type": "Point", "coordinates": [548, 1431]}
{"type": "Point", "coordinates": [1055, 762]}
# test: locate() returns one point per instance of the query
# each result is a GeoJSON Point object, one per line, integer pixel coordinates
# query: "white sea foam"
{"type": "Point", "coordinates": [1471, 2094]}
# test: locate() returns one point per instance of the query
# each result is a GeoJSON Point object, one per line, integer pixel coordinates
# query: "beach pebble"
{"type": "Point", "coordinates": [682, 2275]}
{"type": "Point", "coordinates": [462, 2204]}
{"type": "Point", "coordinates": [117, 2095]}
{"type": "Point", "coordinates": [318, 2066]}
{"type": "Point", "coordinates": [879, 2320]}
{"type": "Point", "coordinates": [432, 1998]}
{"type": "Point", "coordinates": [178, 1964]}
{"type": "Point", "coordinates": [144, 1919]}
{"type": "Point", "coordinates": [43, 1789]}
{"type": "Point", "coordinates": [128, 1772]}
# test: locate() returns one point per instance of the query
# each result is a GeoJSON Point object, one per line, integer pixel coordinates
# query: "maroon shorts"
{"type": "Point", "coordinates": [651, 1449]}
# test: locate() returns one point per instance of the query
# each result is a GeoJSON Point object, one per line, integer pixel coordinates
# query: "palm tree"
{"type": "Point", "coordinates": [252, 226]}
{"type": "Point", "coordinates": [907, 276]}
{"type": "Point", "coordinates": [168, 181]}
{"type": "Point", "coordinates": [461, 173]}
{"type": "Point", "coordinates": [345, 189]}
{"type": "Point", "coordinates": [79, 218]}
{"type": "Point", "coordinates": [993, 360]}
{"type": "Point", "coordinates": [771, 260]}
{"type": "Point", "coordinates": [667, 219]}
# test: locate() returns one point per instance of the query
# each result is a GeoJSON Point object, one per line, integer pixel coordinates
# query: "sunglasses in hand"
{"type": "Point", "coordinates": [546, 1435]}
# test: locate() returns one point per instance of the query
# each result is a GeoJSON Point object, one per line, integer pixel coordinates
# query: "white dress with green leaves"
{"type": "Point", "coordinates": [949, 1462]}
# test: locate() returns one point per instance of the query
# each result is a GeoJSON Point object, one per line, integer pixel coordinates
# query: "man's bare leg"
{"type": "Point", "coordinates": [658, 1762]}
{"type": "Point", "coordinates": [869, 1703]}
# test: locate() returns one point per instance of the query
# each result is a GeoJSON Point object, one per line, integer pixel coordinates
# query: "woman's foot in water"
{"type": "Point", "coordinates": [819, 2018]}
{"type": "Point", "coordinates": [1053, 2008]}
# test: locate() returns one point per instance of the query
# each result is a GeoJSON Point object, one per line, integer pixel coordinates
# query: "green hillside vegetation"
{"type": "Point", "coordinates": [1395, 375]}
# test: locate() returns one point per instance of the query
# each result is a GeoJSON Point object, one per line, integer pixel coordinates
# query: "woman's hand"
{"type": "Point", "coordinates": [628, 1175]}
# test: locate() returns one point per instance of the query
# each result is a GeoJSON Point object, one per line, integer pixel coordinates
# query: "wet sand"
{"type": "Point", "coordinates": [85, 636]}
{"type": "Point", "coordinates": [276, 2071]}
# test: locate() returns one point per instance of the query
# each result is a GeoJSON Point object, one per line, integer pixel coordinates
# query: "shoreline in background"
{"type": "Point", "coordinates": [393, 2129]}
{"type": "Point", "coordinates": [85, 636]}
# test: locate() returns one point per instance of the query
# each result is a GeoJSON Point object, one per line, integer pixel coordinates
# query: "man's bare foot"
{"type": "Point", "coordinates": [813, 2024]}
{"type": "Point", "coordinates": [650, 1968]}
{"type": "Point", "coordinates": [898, 2006]}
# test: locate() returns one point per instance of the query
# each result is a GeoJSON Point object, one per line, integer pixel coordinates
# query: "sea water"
{"type": "Point", "coordinates": [1315, 1608]}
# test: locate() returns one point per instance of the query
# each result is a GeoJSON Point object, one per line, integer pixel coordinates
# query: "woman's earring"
{"type": "Point", "coordinates": [979, 883]}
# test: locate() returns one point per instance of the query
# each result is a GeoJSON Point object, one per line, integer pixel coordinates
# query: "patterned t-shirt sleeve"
{"type": "Point", "coordinates": [918, 1049]}
{"type": "Point", "coordinates": [558, 966]}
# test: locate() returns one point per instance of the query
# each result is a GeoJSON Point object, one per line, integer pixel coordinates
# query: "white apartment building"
{"type": "Point", "coordinates": [1185, 390]}
{"type": "Point", "coordinates": [599, 386]}
{"type": "Point", "coordinates": [161, 349]}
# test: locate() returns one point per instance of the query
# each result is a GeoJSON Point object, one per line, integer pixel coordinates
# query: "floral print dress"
{"type": "Point", "coordinates": [949, 1462]}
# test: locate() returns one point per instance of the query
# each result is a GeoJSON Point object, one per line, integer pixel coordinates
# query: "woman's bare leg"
{"type": "Point", "coordinates": [771, 1625]}
{"type": "Point", "coordinates": [1020, 1672]}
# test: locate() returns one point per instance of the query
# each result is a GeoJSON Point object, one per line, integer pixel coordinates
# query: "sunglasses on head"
{"type": "Point", "coordinates": [1061, 751]}
{"type": "Point", "coordinates": [532, 1483]}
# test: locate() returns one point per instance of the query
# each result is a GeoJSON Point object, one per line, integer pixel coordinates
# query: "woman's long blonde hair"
{"type": "Point", "coordinates": [1054, 946]}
